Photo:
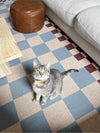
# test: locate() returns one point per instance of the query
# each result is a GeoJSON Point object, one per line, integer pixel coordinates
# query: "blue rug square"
{"type": "Point", "coordinates": [78, 104]}
{"type": "Point", "coordinates": [50, 102]}
{"type": "Point", "coordinates": [14, 62]}
{"type": "Point", "coordinates": [58, 66]}
{"type": "Point", "coordinates": [7, 19]}
{"type": "Point", "coordinates": [20, 87]}
{"type": "Point", "coordinates": [40, 49]}
{"type": "Point", "coordinates": [8, 115]}
{"type": "Point", "coordinates": [83, 78]}
{"type": "Point", "coordinates": [1, 4]}
{"type": "Point", "coordinates": [23, 45]}
{"type": "Point", "coordinates": [3, 81]}
{"type": "Point", "coordinates": [3, 11]}
{"type": "Point", "coordinates": [35, 123]}
{"type": "Point", "coordinates": [14, 32]}
{"type": "Point", "coordinates": [71, 128]}
{"type": "Point", "coordinates": [47, 36]}
{"type": "Point", "coordinates": [28, 65]}
{"type": "Point", "coordinates": [30, 35]}
{"type": "Point", "coordinates": [62, 53]}
{"type": "Point", "coordinates": [98, 109]}
{"type": "Point", "coordinates": [8, 5]}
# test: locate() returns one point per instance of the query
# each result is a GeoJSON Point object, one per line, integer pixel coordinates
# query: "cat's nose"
{"type": "Point", "coordinates": [41, 74]}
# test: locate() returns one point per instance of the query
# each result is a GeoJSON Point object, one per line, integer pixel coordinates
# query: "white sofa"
{"type": "Point", "coordinates": [80, 20]}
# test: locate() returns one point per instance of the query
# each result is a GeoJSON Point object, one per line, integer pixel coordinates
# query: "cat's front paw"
{"type": "Point", "coordinates": [34, 100]}
{"type": "Point", "coordinates": [43, 102]}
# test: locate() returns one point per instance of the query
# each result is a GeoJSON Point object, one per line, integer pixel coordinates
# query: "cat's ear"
{"type": "Point", "coordinates": [48, 65]}
{"type": "Point", "coordinates": [35, 63]}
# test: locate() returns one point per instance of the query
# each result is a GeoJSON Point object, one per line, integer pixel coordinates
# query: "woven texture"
{"type": "Point", "coordinates": [76, 109]}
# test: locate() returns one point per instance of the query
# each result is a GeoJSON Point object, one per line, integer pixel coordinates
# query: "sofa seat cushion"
{"type": "Point", "coordinates": [87, 24]}
{"type": "Point", "coordinates": [68, 9]}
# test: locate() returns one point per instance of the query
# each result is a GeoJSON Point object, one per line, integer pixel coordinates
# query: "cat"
{"type": "Point", "coordinates": [47, 82]}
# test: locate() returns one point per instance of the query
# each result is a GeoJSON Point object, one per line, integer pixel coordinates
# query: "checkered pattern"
{"type": "Point", "coordinates": [76, 109]}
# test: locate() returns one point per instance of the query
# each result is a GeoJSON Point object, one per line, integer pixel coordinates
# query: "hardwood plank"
{"type": "Point", "coordinates": [4, 70]}
{"type": "Point", "coordinates": [8, 47]}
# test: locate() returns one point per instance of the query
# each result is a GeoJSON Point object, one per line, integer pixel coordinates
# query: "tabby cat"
{"type": "Point", "coordinates": [47, 82]}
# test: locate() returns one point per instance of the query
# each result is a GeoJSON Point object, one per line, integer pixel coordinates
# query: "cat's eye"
{"type": "Point", "coordinates": [37, 70]}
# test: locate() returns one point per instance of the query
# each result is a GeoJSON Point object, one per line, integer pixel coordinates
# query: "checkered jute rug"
{"type": "Point", "coordinates": [76, 109]}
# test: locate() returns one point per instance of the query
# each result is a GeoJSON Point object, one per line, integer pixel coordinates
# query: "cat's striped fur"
{"type": "Point", "coordinates": [47, 82]}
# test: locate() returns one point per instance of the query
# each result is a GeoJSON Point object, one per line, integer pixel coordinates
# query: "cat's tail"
{"type": "Point", "coordinates": [69, 72]}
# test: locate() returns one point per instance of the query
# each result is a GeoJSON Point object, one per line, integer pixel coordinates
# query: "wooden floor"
{"type": "Point", "coordinates": [8, 48]}
{"type": "Point", "coordinates": [4, 70]}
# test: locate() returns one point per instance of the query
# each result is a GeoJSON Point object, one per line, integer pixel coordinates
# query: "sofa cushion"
{"type": "Point", "coordinates": [87, 24]}
{"type": "Point", "coordinates": [68, 9]}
